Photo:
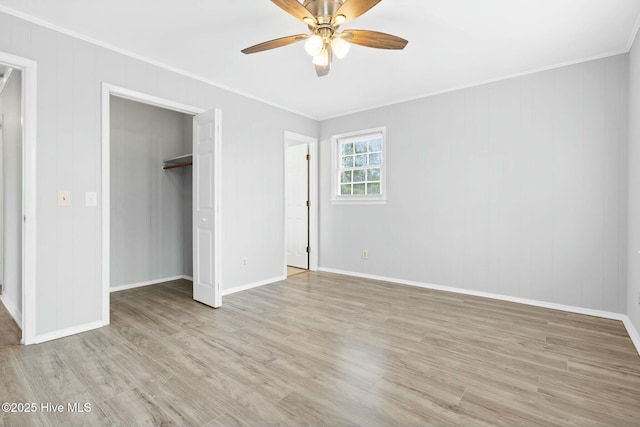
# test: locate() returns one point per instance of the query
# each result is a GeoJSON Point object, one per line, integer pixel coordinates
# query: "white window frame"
{"type": "Point", "coordinates": [359, 199]}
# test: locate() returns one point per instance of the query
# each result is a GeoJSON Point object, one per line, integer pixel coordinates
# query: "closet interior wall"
{"type": "Point", "coordinates": [151, 209]}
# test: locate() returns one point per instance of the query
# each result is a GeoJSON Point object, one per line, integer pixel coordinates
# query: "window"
{"type": "Point", "coordinates": [359, 167]}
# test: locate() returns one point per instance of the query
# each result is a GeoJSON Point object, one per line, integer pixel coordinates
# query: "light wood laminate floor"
{"type": "Point", "coordinates": [323, 349]}
{"type": "Point", "coordinates": [10, 332]}
{"type": "Point", "coordinates": [292, 271]}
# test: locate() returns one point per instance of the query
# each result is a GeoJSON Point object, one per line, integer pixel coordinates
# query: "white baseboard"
{"type": "Point", "coordinates": [544, 304]}
{"type": "Point", "coordinates": [633, 333]}
{"type": "Point", "coordinates": [252, 285]}
{"type": "Point", "coordinates": [95, 325]}
{"type": "Point", "coordinates": [147, 283]}
{"type": "Point", "coordinates": [631, 330]}
{"type": "Point", "coordinates": [67, 332]}
{"type": "Point", "coordinates": [224, 292]}
{"type": "Point", "coordinates": [14, 311]}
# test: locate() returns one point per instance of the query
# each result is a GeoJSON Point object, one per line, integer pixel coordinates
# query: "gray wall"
{"type": "Point", "coordinates": [148, 204]}
{"type": "Point", "coordinates": [516, 188]}
{"type": "Point", "coordinates": [633, 279]}
{"type": "Point", "coordinates": [70, 72]}
{"type": "Point", "coordinates": [11, 110]}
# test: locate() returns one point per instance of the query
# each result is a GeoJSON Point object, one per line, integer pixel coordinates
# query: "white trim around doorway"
{"type": "Point", "coordinates": [28, 68]}
{"type": "Point", "coordinates": [292, 138]}
{"type": "Point", "coordinates": [107, 91]}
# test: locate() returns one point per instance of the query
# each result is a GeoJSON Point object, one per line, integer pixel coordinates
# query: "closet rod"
{"type": "Point", "coordinates": [179, 165]}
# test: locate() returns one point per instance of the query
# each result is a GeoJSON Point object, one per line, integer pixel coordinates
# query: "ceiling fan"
{"type": "Point", "coordinates": [324, 18]}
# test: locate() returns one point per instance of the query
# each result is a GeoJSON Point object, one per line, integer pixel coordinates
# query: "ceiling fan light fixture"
{"type": "Point", "coordinates": [322, 59]}
{"type": "Point", "coordinates": [323, 19]}
{"type": "Point", "coordinates": [340, 47]}
{"type": "Point", "coordinates": [314, 45]}
{"type": "Point", "coordinates": [339, 19]}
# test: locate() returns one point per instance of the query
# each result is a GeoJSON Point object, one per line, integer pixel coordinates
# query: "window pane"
{"type": "Point", "coordinates": [347, 148]}
{"type": "Point", "coordinates": [375, 159]}
{"type": "Point", "coordinates": [357, 166]}
{"type": "Point", "coordinates": [361, 146]}
{"type": "Point", "coordinates": [375, 144]}
{"type": "Point", "coordinates": [347, 162]}
{"type": "Point", "coordinates": [373, 188]}
{"type": "Point", "coordinates": [361, 160]}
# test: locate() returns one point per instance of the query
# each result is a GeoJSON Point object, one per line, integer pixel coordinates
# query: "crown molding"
{"type": "Point", "coordinates": [37, 21]}
{"type": "Point", "coordinates": [633, 35]}
{"type": "Point", "coordinates": [484, 82]}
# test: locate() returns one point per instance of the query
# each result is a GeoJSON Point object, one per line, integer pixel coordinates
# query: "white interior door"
{"type": "Point", "coordinates": [206, 208]}
{"type": "Point", "coordinates": [297, 209]}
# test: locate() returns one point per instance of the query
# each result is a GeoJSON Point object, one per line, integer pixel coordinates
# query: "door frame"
{"type": "Point", "coordinates": [292, 138]}
{"type": "Point", "coordinates": [28, 68]}
{"type": "Point", "coordinates": [109, 90]}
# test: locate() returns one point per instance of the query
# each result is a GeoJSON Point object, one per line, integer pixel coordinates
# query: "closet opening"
{"type": "Point", "coordinates": [160, 197]}
{"type": "Point", "coordinates": [151, 195]}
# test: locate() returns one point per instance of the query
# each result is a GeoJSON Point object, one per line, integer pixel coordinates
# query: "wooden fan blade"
{"type": "Point", "coordinates": [351, 9]}
{"type": "Point", "coordinates": [272, 44]}
{"type": "Point", "coordinates": [294, 8]}
{"type": "Point", "coordinates": [374, 39]}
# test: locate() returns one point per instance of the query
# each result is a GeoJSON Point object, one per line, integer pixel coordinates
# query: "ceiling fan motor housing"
{"type": "Point", "coordinates": [323, 10]}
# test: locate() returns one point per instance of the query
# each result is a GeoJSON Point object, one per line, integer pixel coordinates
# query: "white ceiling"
{"type": "Point", "coordinates": [452, 43]}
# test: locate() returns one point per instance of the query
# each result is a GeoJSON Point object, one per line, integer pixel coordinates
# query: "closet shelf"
{"type": "Point", "coordinates": [178, 162]}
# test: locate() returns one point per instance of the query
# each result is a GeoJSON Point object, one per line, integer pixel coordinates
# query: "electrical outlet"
{"type": "Point", "coordinates": [365, 254]}
{"type": "Point", "coordinates": [91, 198]}
{"type": "Point", "coordinates": [244, 262]}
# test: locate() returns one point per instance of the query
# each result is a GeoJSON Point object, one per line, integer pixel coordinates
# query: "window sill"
{"type": "Point", "coordinates": [359, 201]}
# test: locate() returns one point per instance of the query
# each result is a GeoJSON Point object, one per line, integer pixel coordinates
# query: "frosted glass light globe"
{"type": "Point", "coordinates": [322, 59]}
{"type": "Point", "coordinates": [340, 47]}
{"type": "Point", "coordinates": [314, 45]}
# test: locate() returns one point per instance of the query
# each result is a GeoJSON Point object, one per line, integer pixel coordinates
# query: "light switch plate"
{"type": "Point", "coordinates": [64, 198]}
{"type": "Point", "coordinates": [91, 198]}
